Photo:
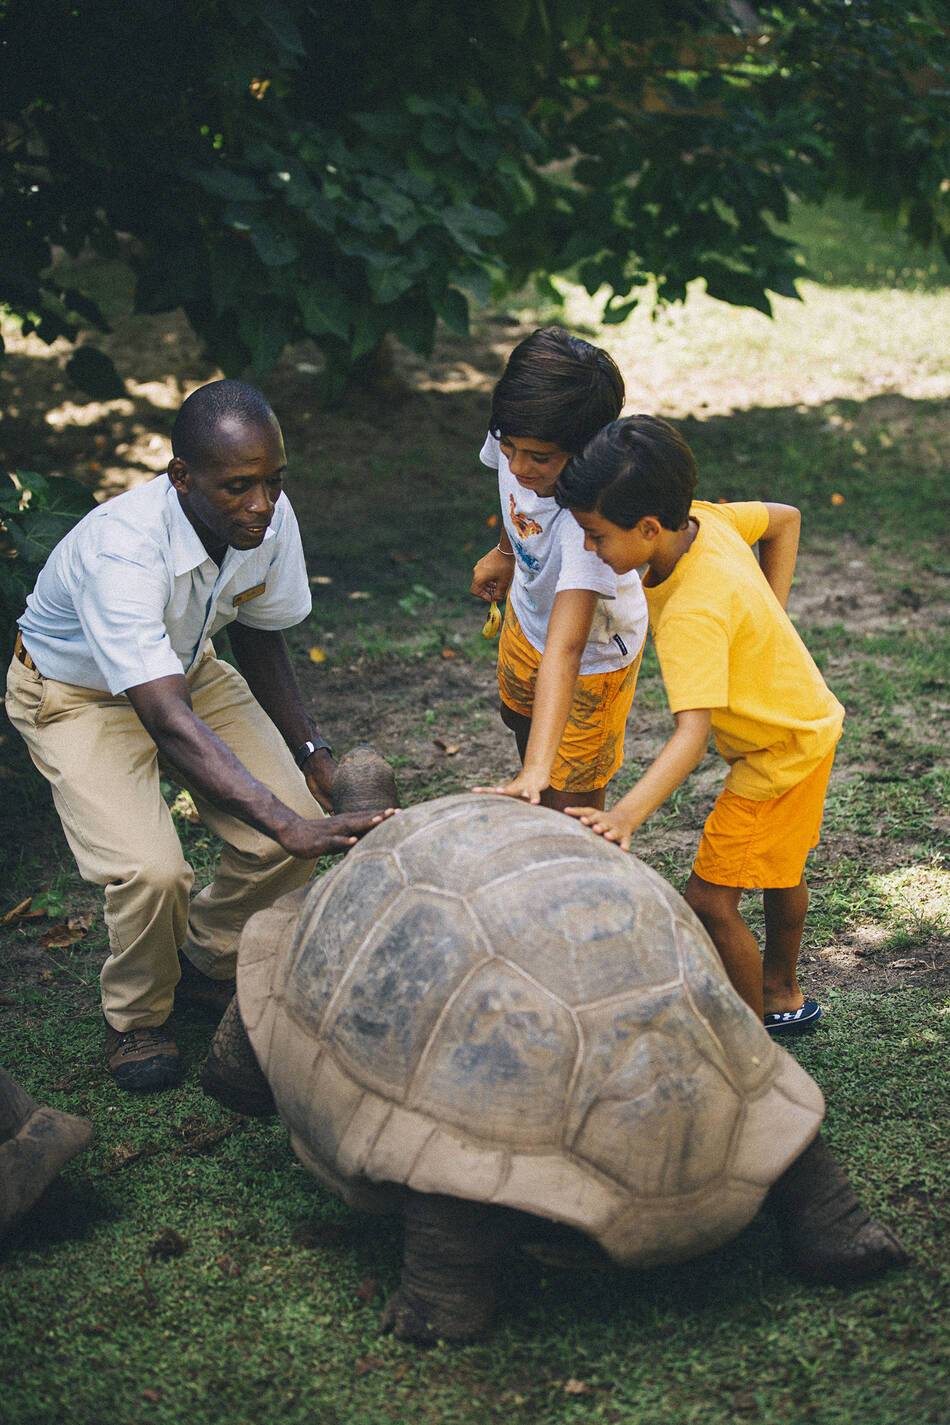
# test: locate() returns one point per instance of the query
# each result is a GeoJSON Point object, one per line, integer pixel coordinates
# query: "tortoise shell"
{"type": "Point", "coordinates": [486, 1000]}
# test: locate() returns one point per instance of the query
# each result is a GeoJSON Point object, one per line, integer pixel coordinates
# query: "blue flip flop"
{"type": "Point", "coordinates": [794, 1021]}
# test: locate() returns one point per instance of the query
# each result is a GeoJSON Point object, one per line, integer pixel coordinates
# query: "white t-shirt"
{"type": "Point", "coordinates": [550, 556]}
{"type": "Point", "coordinates": [131, 594]}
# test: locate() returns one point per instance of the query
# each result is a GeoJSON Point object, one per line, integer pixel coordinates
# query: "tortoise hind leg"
{"type": "Point", "coordinates": [826, 1234]}
{"type": "Point", "coordinates": [231, 1073]}
{"type": "Point", "coordinates": [447, 1289]}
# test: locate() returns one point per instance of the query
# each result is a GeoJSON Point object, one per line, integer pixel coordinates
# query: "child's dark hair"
{"type": "Point", "coordinates": [556, 388]}
{"type": "Point", "coordinates": [635, 467]}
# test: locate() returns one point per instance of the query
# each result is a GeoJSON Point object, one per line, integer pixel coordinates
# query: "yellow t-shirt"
{"type": "Point", "coordinates": [725, 643]}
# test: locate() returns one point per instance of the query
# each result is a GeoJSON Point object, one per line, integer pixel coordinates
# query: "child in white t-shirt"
{"type": "Point", "coordinates": [573, 632]}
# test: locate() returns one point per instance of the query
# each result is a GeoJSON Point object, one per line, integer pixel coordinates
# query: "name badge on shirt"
{"type": "Point", "coordinates": [246, 594]}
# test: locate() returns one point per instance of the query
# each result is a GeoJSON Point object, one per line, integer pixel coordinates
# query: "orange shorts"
{"type": "Point", "coordinates": [763, 845]}
{"type": "Point", "coordinates": [591, 749]}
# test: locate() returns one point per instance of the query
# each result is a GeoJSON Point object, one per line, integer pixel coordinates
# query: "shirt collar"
{"type": "Point", "coordinates": [187, 550]}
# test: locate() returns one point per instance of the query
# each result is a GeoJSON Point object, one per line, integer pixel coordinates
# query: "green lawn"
{"type": "Point", "coordinates": [268, 1312]}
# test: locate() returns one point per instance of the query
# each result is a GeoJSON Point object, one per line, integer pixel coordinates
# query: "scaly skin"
{"type": "Point", "coordinates": [827, 1235]}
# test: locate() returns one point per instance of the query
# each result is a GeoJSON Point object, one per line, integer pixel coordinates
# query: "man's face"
{"type": "Point", "coordinates": [622, 549]}
{"type": "Point", "coordinates": [535, 464]}
{"type": "Point", "coordinates": [230, 494]}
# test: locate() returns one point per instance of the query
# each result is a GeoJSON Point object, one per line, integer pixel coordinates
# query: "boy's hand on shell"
{"type": "Point", "coordinates": [527, 786]}
{"type": "Point", "coordinates": [604, 823]}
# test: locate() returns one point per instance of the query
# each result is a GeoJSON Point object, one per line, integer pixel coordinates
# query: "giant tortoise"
{"type": "Point", "coordinates": [500, 1025]}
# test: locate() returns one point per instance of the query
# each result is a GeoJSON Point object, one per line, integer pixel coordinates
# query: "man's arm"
{"type": "Point", "coordinates": [568, 631]}
{"type": "Point", "coordinates": [675, 761]}
{"type": "Point", "coordinates": [262, 656]}
{"type": "Point", "coordinates": [208, 764]}
{"type": "Point", "coordinates": [778, 549]}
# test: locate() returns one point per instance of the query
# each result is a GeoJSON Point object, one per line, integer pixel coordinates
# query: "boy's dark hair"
{"type": "Point", "coordinates": [635, 467]}
{"type": "Point", "coordinates": [200, 415]}
{"type": "Point", "coordinates": [556, 388]}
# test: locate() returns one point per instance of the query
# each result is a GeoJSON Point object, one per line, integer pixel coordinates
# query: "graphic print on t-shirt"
{"type": "Point", "coordinates": [524, 524]}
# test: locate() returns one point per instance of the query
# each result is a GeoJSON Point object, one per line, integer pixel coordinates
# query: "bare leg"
{"type": "Point", "coordinates": [557, 801]}
{"type": "Point", "coordinates": [785, 912]}
{"type": "Point", "coordinates": [718, 909]}
{"type": "Point", "coordinates": [448, 1276]}
{"type": "Point", "coordinates": [826, 1233]}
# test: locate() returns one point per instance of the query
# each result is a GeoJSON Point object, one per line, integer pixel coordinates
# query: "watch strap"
{"type": "Point", "coordinates": [307, 749]}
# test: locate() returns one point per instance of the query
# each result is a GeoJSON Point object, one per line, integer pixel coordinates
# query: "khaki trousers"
{"type": "Point", "coordinates": [103, 768]}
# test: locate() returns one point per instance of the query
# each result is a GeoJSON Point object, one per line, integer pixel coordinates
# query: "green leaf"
{"type": "Point", "coordinates": [265, 332]}
{"type": "Point", "coordinates": [369, 328]}
{"type": "Point", "coordinates": [572, 18]}
{"type": "Point", "coordinates": [283, 27]}
{"type": "Point", "coordinates": [389, 283]}
{"type": "Point", "coordinates": [323, 309]}
{"type": "Point", "coordinates": [93, 372]}
{"type": "Point", "coordinates": [613, 315]}
{"type": "Point", "coordinates": [226, 183]}
{"type": "Point", "coordinates": [274, 248]}
{"type": "Point", "coordinates": [453, 309]}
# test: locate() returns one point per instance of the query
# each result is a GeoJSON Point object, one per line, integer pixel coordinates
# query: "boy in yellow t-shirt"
{"type": "Point", "coordinates": [731, 661]}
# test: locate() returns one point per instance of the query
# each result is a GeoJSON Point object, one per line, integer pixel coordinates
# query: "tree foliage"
{"type": "Point", "coordinates": [35, 514]}
{"type": "Point", "coordinates": [284, 168]}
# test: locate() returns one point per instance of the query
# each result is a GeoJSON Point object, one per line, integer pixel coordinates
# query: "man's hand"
{"type": "Point", "coordinates": [309, 839]}
{"type": "Point", "coordinates": [319, 771]}
{"type": "Point", "coordinates": [492, 575]}
{"type": "Point", "coordinates": [606, 824]}
{"type": "Point", "coordinates": [528, 786]}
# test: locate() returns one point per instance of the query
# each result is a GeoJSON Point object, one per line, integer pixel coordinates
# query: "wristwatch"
{"type": "Point", "coordinates": [307, 749]}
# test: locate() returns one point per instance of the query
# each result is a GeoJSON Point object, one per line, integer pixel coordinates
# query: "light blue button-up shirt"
{"type": "Point", "coordinates": [131, 594]}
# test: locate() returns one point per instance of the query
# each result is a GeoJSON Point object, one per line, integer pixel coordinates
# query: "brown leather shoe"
{"type": "Point", "coordinates": [201, 991]}
{"type": "Point", "coordinates": [143, 1060]}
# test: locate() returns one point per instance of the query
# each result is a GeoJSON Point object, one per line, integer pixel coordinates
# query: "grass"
{"type": "Point", "coordinates": [269, 1311]}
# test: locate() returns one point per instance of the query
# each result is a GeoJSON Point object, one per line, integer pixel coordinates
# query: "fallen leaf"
{"type": "Point", "coordinates": [492, 521]}
{"type": "Point", "coordinates": [317, 654]}
{"type": "Point", "coordinates": [908, 965]}
{"type": "Point", "coordinates": [17, 913]}
{"type": "Point", "coordinates": [46, 977]}
{"type": "Point", "coordinates": [576, 1387]}
{"type": "Point", "coordinates": [228, 1266]}
{"type": "Point", "coordinates": [367, 1289]}
{"type": "Point", "coordinates": [400, 1370]}
{"type": "Point", "coordinates": [449, 653]}
{"type": "Point", "coordinates": [365, 1364]}
{"type": "Point", "coordinates": [152, 1394]}
{"type": "Point", "coordinates": [60, 937]}
{"type": "Point", "coordinates": [722, 500]}
{"type": "Point", "coordinates": [166, 1245]}
{"type": "Point", "coordinates": [449, 748]}
{"type": "Point", "coordinates": [837, 499]}
{"type": "Point", "coordinates": [360, 594]}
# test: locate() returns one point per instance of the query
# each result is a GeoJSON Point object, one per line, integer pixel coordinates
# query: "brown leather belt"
{"type": "Point", "coordinates": [19, 651]}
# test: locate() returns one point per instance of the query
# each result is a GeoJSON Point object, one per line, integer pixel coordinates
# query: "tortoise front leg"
{"type": "Point", "coordinates": [231, 1073]}
{"type": "Point", "coordinates": [35, 1142]}
{"type": "Point", "coordinates": [826, 1234]}
{"type": "Point", "coordinates": [448, 1277]}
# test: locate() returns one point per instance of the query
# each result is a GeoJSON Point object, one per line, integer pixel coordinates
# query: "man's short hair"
{"type": "Point", "coordinates": [632, 468]}
{"type": "Point", "coordinates": [556, 388]}
{"type": "Point", "coordinates": [201, 414]}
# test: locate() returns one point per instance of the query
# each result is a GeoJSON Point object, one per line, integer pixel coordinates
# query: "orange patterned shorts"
{"type": "Point", "coordinates": [763, 845]}
{"type": "Point", "coordinates": [591, 749]}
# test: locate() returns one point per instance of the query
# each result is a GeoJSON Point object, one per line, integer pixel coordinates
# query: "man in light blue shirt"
{"type": "Point", "coordinates": [114, 673]}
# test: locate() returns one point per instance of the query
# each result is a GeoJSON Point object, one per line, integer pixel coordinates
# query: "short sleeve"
{"type": "Point", "coordinates": [693, 654]}
{"type": "Point", "coordinates": [489, 453]}
{"type": "Point", "coordinates": [750, 518]}
{"type": "Point", "coordinates": [121, 609]}
{"type": "Point", "coordinates": [286, 598]}
{"type": "Point", "coordinates": [579, 568]}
